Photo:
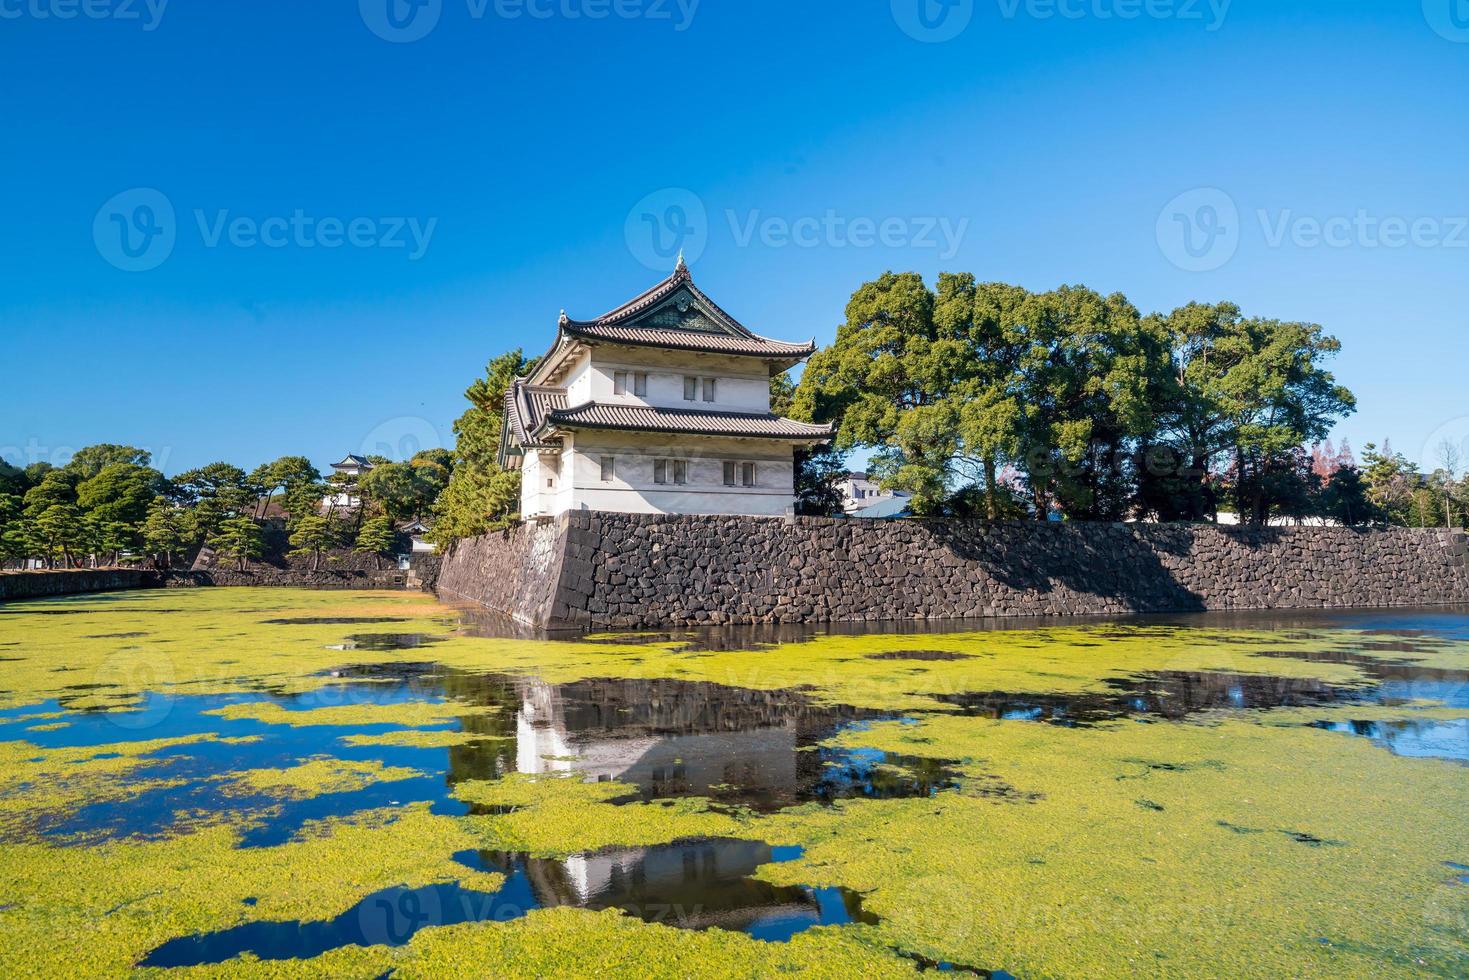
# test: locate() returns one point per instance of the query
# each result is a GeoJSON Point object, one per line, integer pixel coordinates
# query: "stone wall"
{"type": "Point", "coordinates": [517, 573]}
{"type": "Point", "coordinates": [33, 585]}
{"type": "Point", "coordinates": [599, 570]}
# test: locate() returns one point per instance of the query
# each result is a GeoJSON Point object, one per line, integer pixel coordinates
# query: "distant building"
{"type": "Point", "coordinates": [352, 466]}
{"type": "Point", "coordinates": [415, 530]}
{"type": "Point", "coordinates": [1231, 519]}
{"type": "Point", "coordinates": [860, 493]}
{"type": "Point", "coordinates": [661, 406]}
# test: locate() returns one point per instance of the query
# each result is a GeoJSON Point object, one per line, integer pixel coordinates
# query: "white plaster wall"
{"type": "Point", "coordinates": [743, 383]}
{"type": "Point", "coordinates": [530, 483]}
{"type": "Point", "coordinates": [545, 491]}
{"type": "Point", "coordinates": [633, 491]}
{"type": "Point", "coordinates": [580, 380]}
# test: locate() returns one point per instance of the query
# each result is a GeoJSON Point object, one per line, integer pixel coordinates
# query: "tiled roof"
{"type": "Point", "coordinates": [696, 340]}
{"type": "Point", "coordinates": [730, 337]}
{"type": "Point", "coordinates": [526, 407]}
{"type": "Point", "coordinates": [595, 415]}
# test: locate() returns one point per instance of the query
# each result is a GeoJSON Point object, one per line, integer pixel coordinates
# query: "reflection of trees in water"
{"type": "Point", "coordinates": [1170, 694]}
{"type": "Point", "coordinates": [495, 757]}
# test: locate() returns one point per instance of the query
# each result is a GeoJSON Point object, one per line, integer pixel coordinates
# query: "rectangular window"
{"type": "Point", "coordinates": [729, 474]}
{"type": "Point", "coordinates": [619, 382]}
{"type": "Point", "coordinates": [640, 384]}
{"type": "Point", "coordinates": [660, 471]}
{"type": "Point", "coordinates": [690, 388]}
{"type": "Point", "coordinates": [609, 469]}
{"type": "Point", "coordinates": [680, 472]}
{"type": "Point", "coordinates": [709, 389]}
{"type": "Point", "coordinates": [747, 474]}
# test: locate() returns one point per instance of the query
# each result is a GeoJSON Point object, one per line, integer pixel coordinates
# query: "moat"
{"type": "Point", "coordinates": [363, 784]}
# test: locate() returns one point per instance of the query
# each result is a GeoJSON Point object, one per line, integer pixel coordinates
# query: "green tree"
{"type": "Point", "coordinates": [312, 535]}
{"type": "Point", "coordinates": [1391, 482]}
{"type": "Point", "coordinates": [393, 487]}
{"type": "Point", "coordinates": [106, 541]}
{"type": "Point", "coordinates": [1246, 391]}
{"type": "Point", "coordinates": [91, 460]}
{"type": "Point", "coordinates": [1086, 382]}
{"type": "Point", "coordinates": [238, 539]}
{"type": "Point", "coordinates": [213, 494]}
{"type": "Point", "coordinates": [12, 533]}
{"type": "Point", "coordinates": [892, 382]}
{"type": "Point", "coordinates": [376, 537]}
{"type": "Point", "coordinates": [1344, 499]}
{"type": "Point", "coordinates": [120, 493]}
{"type": "Point", "coordinates": [13, 480]}
{"type": "Point", "coordinates": [480, 496]}
{"type": "Point", "coordinates": [287, 476]}
{"type": "Point", "coordinates": [948, 387]}
{"type": "Point", "coordinates": [54, 488]}
{"type": "Point", "coordinates": [164, 532]}
{"type": "Point", "coordinates": [57, 530]}
{"type": "Point", "coordinates": [406, 491]}
{"type": "Point", "coordinates": [818, 473]}
{"type": "Point", "coordinates": [15, 538]}
{"type": "Point", "coordinates": [782, 394]}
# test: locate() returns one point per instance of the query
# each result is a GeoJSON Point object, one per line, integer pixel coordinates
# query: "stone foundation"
{"type": "Point", "coordinates": [35, 585]}
{"type": "Point", "coordinates": [590, 570]}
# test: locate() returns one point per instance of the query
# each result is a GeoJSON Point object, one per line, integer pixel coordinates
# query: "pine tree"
{"type": "Point", "coordinates": [239, 540]}
{"type": "Point", "coordinates": [376, 538]}
{"type": "Point", "coordinates": [163, 532]}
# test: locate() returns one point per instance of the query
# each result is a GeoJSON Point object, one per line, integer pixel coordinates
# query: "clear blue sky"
{"type": "Point", "coordinates": [523, 145]}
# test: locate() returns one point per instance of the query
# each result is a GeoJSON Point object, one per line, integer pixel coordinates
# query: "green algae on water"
{"type": "Point", "coordinates": [1267, 846]}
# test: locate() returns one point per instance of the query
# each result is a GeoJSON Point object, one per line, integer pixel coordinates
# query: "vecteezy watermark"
{"type": "Point", "coordinates": [1362, 230]}
{"type": "Point", "coordinates": [1201, 230]}
{"type": "Point", "coordinates": [1447, 447]}
{"type": "Point", "coordinates": [406, 21]}
{"type": "Point", "coordinates": [401, 438]}
{"type": "Point", "coordinates": [301, 230]}
{"type": "Point", "coordinates": [666, 224]}
{"type": "Point", "coordinates": [147, 13]}
{"type": "Point", "coordinates": [35, 451]}
{"type": "Point", "coordinates": [1450, 18]}
{"type": "Point", "coordinates": [401, 21]}
{"type": "Point", "coordinates": [1210, 13]}
{"type": "Point", "coordinates": [675, 221]}
{"type": "Point", "coordinates": [933, 21]}
{"type": "Point", "coordinates": [136, 231]}
{"type": "Point", "coordinates": [833, 230]}
{"type": "Point", "coordinates": [149, 676]}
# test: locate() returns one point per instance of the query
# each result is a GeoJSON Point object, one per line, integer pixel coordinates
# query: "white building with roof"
{"type": "Point", "coordinates": [661, 406]}
{"type": "Point", "coordinates": [863, 496]}
{"type": "Point", "coordinates": [351, 469]}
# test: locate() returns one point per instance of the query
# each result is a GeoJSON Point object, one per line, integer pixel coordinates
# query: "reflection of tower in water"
{"type": "Point", "coordinates": [698, 884]}
{"type": "Point", "coordinates": [678, 738]}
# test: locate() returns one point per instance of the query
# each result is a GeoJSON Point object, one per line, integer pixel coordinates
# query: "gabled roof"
{"type": "Point", "coordinates": [760, 425]}
{"type": "Point", "coordinates": [526, 406]}
{"type": "Point", "coordinates": [676, 314]}
{"type": "Point", "coordinates": [352, 459]}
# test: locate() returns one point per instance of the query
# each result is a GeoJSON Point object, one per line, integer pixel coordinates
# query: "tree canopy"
{"type": "Point", "coordinates": [479, 495]}
{"type": "Point", "coordinates": [1070, 399]}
